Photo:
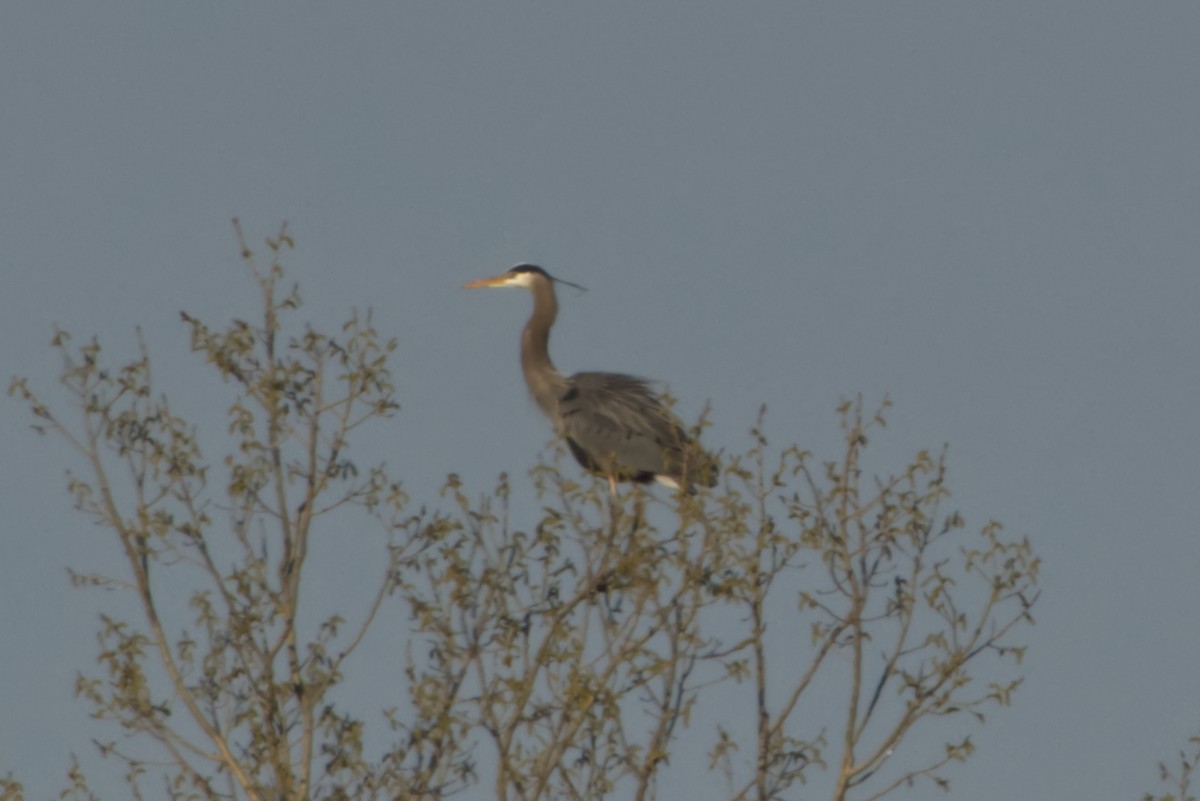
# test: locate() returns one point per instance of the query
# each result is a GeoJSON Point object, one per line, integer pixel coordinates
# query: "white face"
{"type": "Point", "coordinates": [518, 279]}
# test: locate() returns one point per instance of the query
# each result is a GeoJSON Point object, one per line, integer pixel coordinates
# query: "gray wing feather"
{"type": "Point", "coordinates": [614, 417]}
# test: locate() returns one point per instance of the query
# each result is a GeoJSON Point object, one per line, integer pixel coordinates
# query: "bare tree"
{"type": "Point", "coordinates": [561, 658]}
{"type": "Point", "coordinates": [888, 583]}
{"type": "Point", "coordinates": [1179, 780]}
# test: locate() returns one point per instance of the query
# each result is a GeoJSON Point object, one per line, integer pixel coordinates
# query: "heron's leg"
{"type": "Point", "coordinates": [614, 516]}
{"type": "Point", "coordinates": [639, 510]}
{"type": "Point", "coordinates": [614, 513]}
{"type": "Point", "coordinates": [605, 572]}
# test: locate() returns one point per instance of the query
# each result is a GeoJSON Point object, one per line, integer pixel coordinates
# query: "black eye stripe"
{"type": "Point", "coordinates": [528, 268]}
{"type": "Point", "coordinates": [533, 269]}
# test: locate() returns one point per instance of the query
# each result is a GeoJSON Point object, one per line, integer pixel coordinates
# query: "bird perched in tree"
{"type": "Point", "coordinates": [614, 424]}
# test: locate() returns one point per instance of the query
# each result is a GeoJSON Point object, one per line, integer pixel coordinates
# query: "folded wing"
{"type": "Point", "coordinates": [615, 424]}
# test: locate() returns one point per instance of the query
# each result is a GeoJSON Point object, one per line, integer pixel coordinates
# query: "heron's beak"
{"type": "Point", "coordinates": [499, 280]}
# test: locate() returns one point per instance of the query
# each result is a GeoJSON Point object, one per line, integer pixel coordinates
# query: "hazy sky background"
{"type": "Point", "coordinates": [989, 211]}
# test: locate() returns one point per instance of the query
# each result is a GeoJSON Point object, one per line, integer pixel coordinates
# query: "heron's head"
{"type": "Point", "coordinates": [524, 275]}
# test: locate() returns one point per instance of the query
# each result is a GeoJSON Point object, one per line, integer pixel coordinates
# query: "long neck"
{"type": "Point", "coordinates": [545, 383]}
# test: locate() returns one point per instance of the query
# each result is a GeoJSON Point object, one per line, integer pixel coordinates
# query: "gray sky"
{"type": "Point", "coordinates": [987, 210]}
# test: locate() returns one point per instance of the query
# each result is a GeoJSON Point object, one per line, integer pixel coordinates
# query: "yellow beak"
{"type": "Point", "coordinates": [499, 280]}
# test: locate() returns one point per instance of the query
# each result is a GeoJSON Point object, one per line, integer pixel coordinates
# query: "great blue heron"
{"type": "Point", "coordinates": [614, 424]}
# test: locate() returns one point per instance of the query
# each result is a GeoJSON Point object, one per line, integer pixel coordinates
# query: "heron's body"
{"type": "Point", "coordinates": [614, 424]}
